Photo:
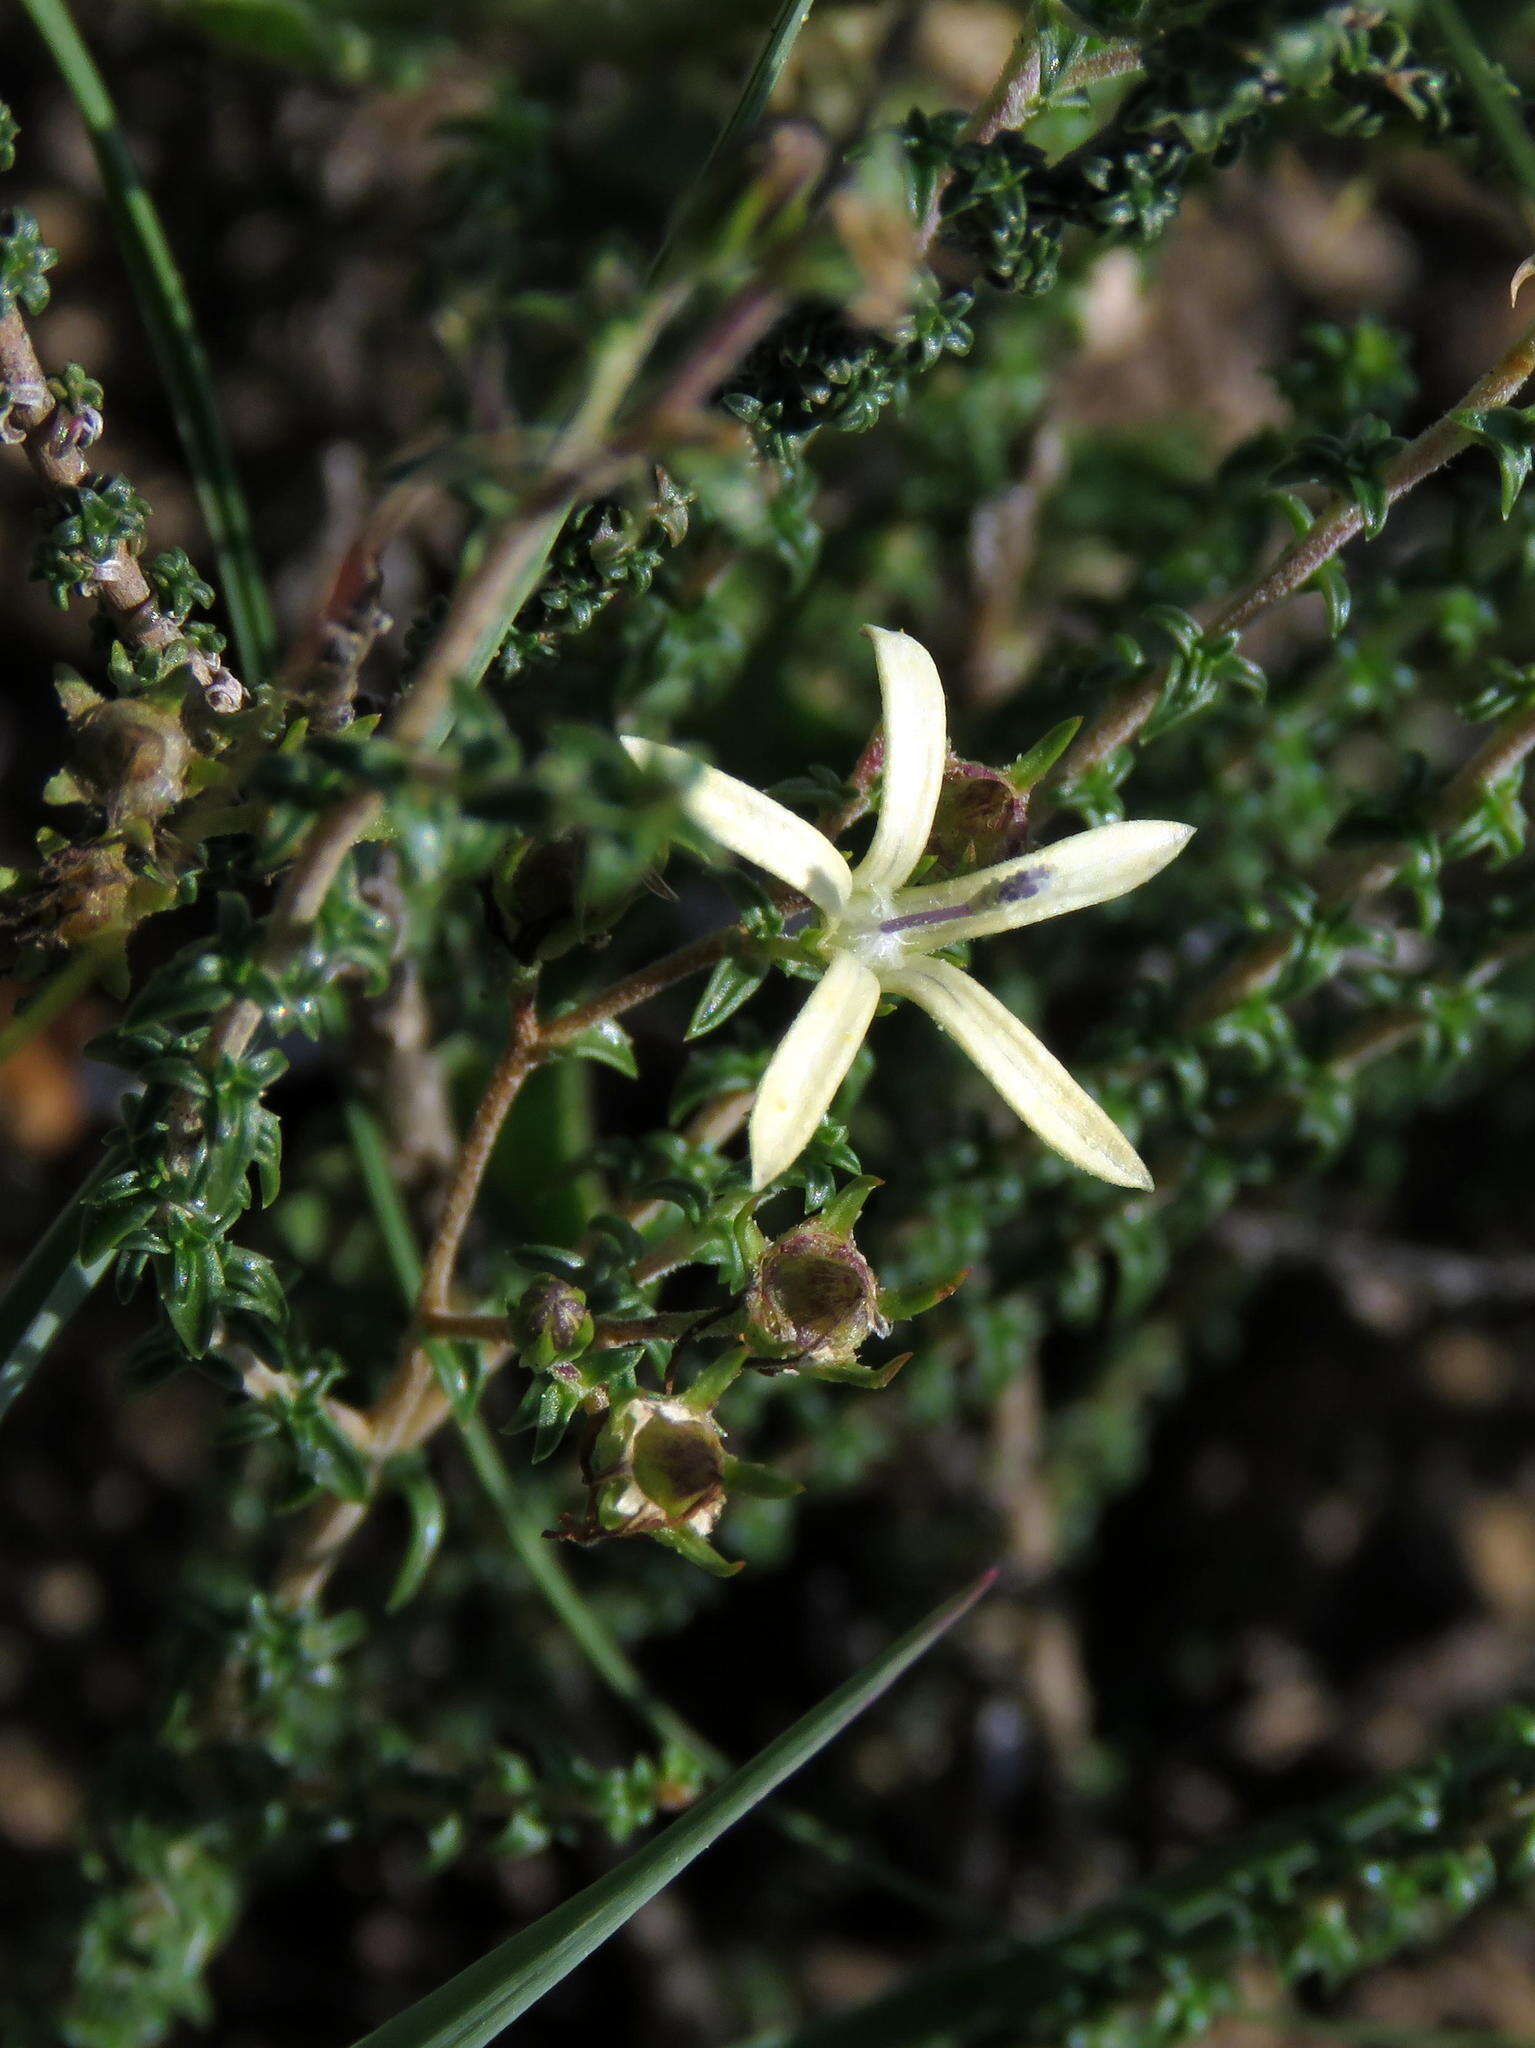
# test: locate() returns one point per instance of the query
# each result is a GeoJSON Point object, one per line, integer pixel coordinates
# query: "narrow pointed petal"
{"type": "Point", "coordinates": [916, 747]}
{"type": "Point", "coordinates": [810, 1065]}
{"type": "Point", "coordinates": [751, 824]}
{"type": "Point", "coordinates": [1089, 867]}
{"type": "Point", "coordinates": [1029, 1079]}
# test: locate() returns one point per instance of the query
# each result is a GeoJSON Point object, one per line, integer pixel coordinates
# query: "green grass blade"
{"type": "Point", "coordinates": [167, 315]}
{"type": "Point", "coordinates": [384, 1197]}
{"type": "Point", "coordinates": [45, 1294]}
{"type": "Point", "coordinates": [52, 999]}
{"type": "Point", "coordinates": [742, 118]}
{"type": "Point", "coordinates": [1500, 111]}
{"type": "Point", "coordinates": [472, 2008]}
{"type": "Point", "coordinates": [758, 89]}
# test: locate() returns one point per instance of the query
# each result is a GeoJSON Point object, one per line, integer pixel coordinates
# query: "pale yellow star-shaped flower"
{"type": "Point", "coordinates": [878, 936]}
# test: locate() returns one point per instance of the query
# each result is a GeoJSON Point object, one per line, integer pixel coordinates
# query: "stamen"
{"type": "Point", "coordinates": [1016, 889]}
{"type": "Point", "coordinates": [914, 920]}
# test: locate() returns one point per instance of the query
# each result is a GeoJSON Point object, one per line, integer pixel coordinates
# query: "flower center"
{"type": "Point", "coordinates": [864, 930]}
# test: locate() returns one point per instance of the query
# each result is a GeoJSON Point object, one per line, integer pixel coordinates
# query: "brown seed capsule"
{"type": "Point", "coordinates": [813, 1298]}
{"type": "Point", "coordinates": [131, 757]}
{"type": "Point", "coordinates": [981, 819]}
{"type": "Point", "coordinates": [85, 893]}
{"type": "Point", "coordinates": [657, 1466]}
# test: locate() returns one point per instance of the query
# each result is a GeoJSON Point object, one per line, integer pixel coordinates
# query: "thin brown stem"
{"type": "Point", "coordinates": [1375, 1036]}
{"type": "Point", "coordinates": [1117, 61]}
{"type": "Point", "coordinates": [413, 1405]}
{"type": "Point", "coordinates": [638, 988]}
{"type": "Point", "coordinates": [1015, 90]}
{"type": "Point", "coordinates": [1013, 96]}
{"type": "Point", "coordinates": [1358, 875]}
{"type": "Point", "coordinates": [672, 1252]}
{"type": "Point", "coordinates": [1338, 523]}
{"type": "Point", "coordinates": [510, 1072]}
{"type": "Point", "coordinates": [54, 439]}
{"type": "Point", "coordinates": [262, 1382]}
{"type": "Point", "coordinates": [1019, 90]}
{"type": "Point", "coordinates": [736, 329]}
{"type": "Point", "coordinates": [471, 1328]}
{"type": "Point", "coordinates": [395, 1421]}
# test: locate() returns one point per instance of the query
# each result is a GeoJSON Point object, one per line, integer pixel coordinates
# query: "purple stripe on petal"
{"type": "Point", "coordinates": [914, 920]}
{"type": "Point", "coordinates": [1016, 889]}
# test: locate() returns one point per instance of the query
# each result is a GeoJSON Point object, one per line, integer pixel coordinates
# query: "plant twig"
{"type": "Point", "coordinates": [1335, 525]}
{"type": "Point", "coordinates": [318, 1546]}
{"type": "Point", "coordinates": [637, 988]}
{"type": "Point", "coordinates": [1357, 875]}
{"type": "Point", "coordinates": [507, 1078]}
{"type": "Point", "coordinates": [167, 313]}
{"type": "Point", "coordinates": [1116, 60]}
{"type": "Point", "coordinates": [1019, 89]}
{"type": "Point", "coordinates": [1013, 96]}
{"type": "Point", "coordinates": [53, 440]}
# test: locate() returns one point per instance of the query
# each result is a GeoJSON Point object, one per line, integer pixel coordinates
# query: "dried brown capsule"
{"type": "Point", "coordinates": [659, 1464]}
{"type": "Point", "coordinates": [131, 757]}
{"type": "Point", "coordinates": [981, 819]}
{"type": "Point", "coordinates": [813, 1297]}
{"type": "Point", "coordinates": [83, 893]}
{"type": "Point", "coordinates": [658, 1467]}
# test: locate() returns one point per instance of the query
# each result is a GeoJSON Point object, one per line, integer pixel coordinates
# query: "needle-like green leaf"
{"type": "Point", "coordinates": [44, 1295]}
{"type": "Point", "coordinates": [473, 2007]}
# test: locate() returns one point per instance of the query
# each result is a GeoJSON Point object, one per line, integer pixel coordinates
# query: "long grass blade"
{"type": "Point", "coordinates": [1500, 109]}
{"type": "Point", "coordinates": [473, 2007]}
{"type": "Point", "coordinates": [45, 1294]}
{"type": "Point", "coordinates": [750, 105]}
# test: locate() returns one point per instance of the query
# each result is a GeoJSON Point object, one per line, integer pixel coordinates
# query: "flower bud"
{"type": "Point", "coordinates": [981, 819]}
{"type": "Point", "coordinates": [813, 1298]}
{"type": "Point", "coordinates": [551, 1322]}
{"type": "Point", "coordinates": [535, 898]}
